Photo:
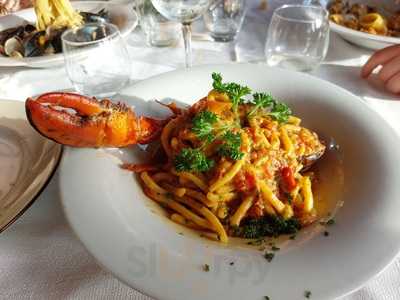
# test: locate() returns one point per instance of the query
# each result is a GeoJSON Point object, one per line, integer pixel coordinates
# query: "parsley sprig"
{"type": "Point", "coordinates": [235, 91]}
{"type": "Point", "coordinates": [192, 160]}
{"type": "Point", "coordinates": [231, 146]}
{"type": "Point", "coordinates": [279, 111]}
{"type": "Point", "coordinates": [261, 100]}
{"type": "Point", "coordinates": [203, 125]}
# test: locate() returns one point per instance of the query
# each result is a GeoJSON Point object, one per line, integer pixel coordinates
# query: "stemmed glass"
{"type": "Point", "coordinates": [183, 11]}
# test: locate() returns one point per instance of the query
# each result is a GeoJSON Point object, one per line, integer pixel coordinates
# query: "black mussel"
{"type": "Point", "coordinates": [35, 44]}
{"type": "Point", "coordinates": [54, 38]}
{"type": "Point", "coordinates": [91, 33]}
{"type": "Point", "coordinates": [29, 28]}
{"type": "Point", "coordinates": [11, 32]}
{"type": "Point", "coordinates": [101, 16]}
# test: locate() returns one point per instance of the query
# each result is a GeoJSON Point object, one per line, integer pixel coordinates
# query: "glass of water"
{"type": "Point", "coordinates": [224, 19]}
{"type": "Point", "coordinates": [96, 59]}
{"type": "Point", "coordinates": [298, 37]}
{"type": "Point", "coordinates": [160, 32]}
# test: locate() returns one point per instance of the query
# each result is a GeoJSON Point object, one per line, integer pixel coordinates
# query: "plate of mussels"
{"type": "Point", "coordinates": [22, 44]}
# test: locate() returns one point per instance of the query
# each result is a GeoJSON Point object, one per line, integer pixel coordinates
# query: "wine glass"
{"type": "Point", "coordinates": [96, 59]}
{"type": "Point", "coordinates": [298, 37]}
{"type": "Point", "coordinates": [183, 11]}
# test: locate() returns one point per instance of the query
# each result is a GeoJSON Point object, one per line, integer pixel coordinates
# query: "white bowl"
{"type": "Point", "coordinates": [363, 39]}
{"type": "Point", "coordinates": [56, 60]}
{"type": "Point", "coordinates": [128, 234]}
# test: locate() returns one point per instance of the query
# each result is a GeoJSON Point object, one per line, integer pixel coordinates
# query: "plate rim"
{"type": "Point", "coordinates": [43, 185]}
{"type": "Point", "coordinates": [351, 288]}
{"type": "Point", "coordinates": [365, 35]}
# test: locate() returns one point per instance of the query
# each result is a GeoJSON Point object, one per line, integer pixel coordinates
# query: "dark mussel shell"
{"type": "Point", "coordinates": [101, 16]}
{"type": "Point", "coordinates": [54, 37]}
{"type": "Point", "coordinates": [91, 33]}
{"type": "Point", "coordinates": [35, 44]}
{"type": "Point", "coordinates": [11, 32]}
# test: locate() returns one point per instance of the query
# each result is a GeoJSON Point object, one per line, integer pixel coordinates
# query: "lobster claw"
{"type": "Point", "coordinates": [80, 121]}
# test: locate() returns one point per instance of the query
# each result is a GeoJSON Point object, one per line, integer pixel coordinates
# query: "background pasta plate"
{"type": "Point", "coordinates": [50, 61]}
{"type": "Point", "coordinates": [128, 234]}
{"type": "Point", "coordinates": [364, 39]}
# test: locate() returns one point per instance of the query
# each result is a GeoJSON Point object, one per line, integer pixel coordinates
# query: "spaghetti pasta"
{"type": "Point", "coordinates": [227, 170]}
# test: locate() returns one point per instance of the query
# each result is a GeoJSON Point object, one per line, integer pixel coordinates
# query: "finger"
{"type": "Point", "coordinates": [393, 85]}
{"type": "Point", "coordinates": [390, 69]}
{"type": "Point", "coordinates": [380, 57]}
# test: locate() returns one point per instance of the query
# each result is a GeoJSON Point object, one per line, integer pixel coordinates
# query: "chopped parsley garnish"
{"type": "Point", "coordinates": [266, 298]}
{"type": "Point", "coordinates": [307, 294]}
{"type": "Point", "coordinates": [192, 160]}
{"type": "Point", "coordinates": [231, 146]}
{"type": "Point", "coordinates": [330, 222]}
{"type": "Point", "coordinates": [257, 242]}
{"type": "Point", "coordinates": [231, 263]}
{"type": "Point", "coordinates": [326, 233]}
{"type": "Point", "coordinates": [261, 100]}
{"type": "Point", "coordinates": [280, 112]}
{"type": "Point", "coordinates": [233, 90]}
{"type": "Point", "coordinates": [206, 268]}
{"type": "Point", "coordinates": [271, 226]}
{"type": "Point", "coordinates": [274, 248]}
{"type": "Point", "coordinates": [269, 256]}
{"type": "Point", "coordinates": [203, 125]}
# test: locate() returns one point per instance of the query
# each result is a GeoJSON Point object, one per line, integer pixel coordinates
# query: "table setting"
{"type": "Point", "coordinates": [78, 223]}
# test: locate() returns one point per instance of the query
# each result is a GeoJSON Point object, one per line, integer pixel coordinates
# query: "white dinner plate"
{"type": "Point", "coordinates": [363, 39]}
{"type": "Point", "coordinates": [128, 234]}
{"type": "Point", "coordinates": [27, 162]}
{"type": "Point", "coordinates": [50, 61]}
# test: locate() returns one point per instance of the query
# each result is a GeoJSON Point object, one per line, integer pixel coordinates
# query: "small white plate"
{"type": "Point", "coordinates": [27, 162]}
{"type": "Point", "coordinates": [129, 235]}
{"type": "Point", "coordinates": [50, 61]}
{"type": "Point", "coordinates": [363, 39]}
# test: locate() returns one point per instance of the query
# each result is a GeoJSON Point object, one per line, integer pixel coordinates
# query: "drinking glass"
{"type": "Point", "coordinates": [298, 37]}
{"type": "Point", "coordinates": [160, 31]}
{"type": "Point", "coordinates": [96, 59]}
{"type": "Point", "coordinates": [224, 18]}
{"type": "Point", "coordinates": [183, 11]}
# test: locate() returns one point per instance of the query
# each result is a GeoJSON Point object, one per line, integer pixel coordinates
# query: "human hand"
{"type": "Point", "coordinates": [389, 59]}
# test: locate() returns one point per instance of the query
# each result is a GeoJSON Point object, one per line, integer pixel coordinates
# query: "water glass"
{"type": "Point", "coordinates": [224, 19]}
{"type": "Point", "coordinates": [96, 59]}
{"type": "Point", "coordinates": [298, 37]}
{"type": "Point", "coordinates": [160, 31]}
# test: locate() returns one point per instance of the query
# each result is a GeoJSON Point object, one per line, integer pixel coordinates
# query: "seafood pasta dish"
{"type": "Point", "coordinates": [235, 163]}
{"type": "Point", "coordinates": [364, 18]}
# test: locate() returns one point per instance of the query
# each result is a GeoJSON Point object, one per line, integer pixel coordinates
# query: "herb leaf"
{"type": "Point", "coordinates": [269, 256]}
{"type": "Point", "coordinates": [233, 90]}
{"type": "Point", "coordinates": [192, 160]}
{"type": "Point", "coordinates": [231, 146]}
{"type": "Point", "coordinates": [280, 112]}
{"type": "Point", "coordinates": [267, 226]}
{"type": "Point", "coordinates": [203, 125]}
{"type": "Point", "coordinates": [261, 100]}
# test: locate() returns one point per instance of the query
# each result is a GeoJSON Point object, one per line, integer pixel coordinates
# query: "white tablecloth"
{"type": "Point", "coordinates": [40, 258]}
